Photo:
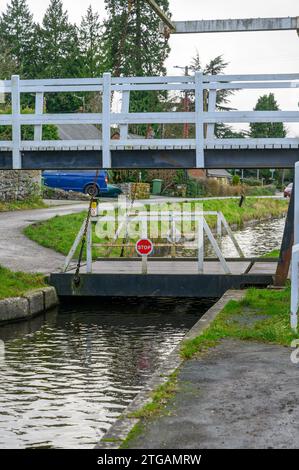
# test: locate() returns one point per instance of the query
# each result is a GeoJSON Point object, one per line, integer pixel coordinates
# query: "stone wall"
{"type": "Point", "coordinates": [17, 185]}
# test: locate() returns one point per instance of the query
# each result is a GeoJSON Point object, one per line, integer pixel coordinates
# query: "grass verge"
{"type": "Point", "coordinates": [59, 232]}
{"type": "Point", "coordinates": [32, 203]}
{"type": "Point", "coordinates": [160, 397]}
{"type": "Point", "coordinates": [262, 315]}
{"type": "Point", "coordinates": [16, 284]}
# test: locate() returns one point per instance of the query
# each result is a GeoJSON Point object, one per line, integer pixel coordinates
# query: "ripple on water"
{"type": "Point", "coordinates": [67, 378]}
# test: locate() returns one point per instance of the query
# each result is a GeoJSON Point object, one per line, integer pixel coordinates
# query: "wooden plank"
{"type": "Point", "coordinates": [39, 109]}
{"type": "Point", "coordinates": [16, 126]}
{"type": "Point", "coordinates": [285, 256]}
{"type": "Point", "coordinates": [199, 120]}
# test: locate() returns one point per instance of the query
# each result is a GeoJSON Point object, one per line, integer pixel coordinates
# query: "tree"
{"type": "Point", "coordinates": [8, 63]}
{"type": "Point", "coordinates": [17, 31]}
{"type": "Point", "coordinates": [59, 55]}
{"type": "Point", "coordinates": [267, 129]}
{"type": "Point", "coordinates": [90, 43]}
{"type": "Point", "coordinates": [215, 67]}
{"type": "Point", "coordinates": [132, 42]}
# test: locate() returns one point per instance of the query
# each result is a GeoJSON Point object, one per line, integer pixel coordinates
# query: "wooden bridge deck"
{"type": "Point", "coordinates": [174, 267]}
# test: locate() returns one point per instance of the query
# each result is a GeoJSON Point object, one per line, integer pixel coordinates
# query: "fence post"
{"type": "Point", "coordinates": [89, 249]}
{"type": "Point", "coordinates": [106, 125]}
{"type": "Point", "coordinates": [219, 226]}
{"type": "Point", "coordinates": [295, 253]}
{"type": "Point", "coordinates": [199, 120]}
{"type": "Point", "coordinates": [200, 242]}
{"type": "Point", "coordinates": [16, 123]}
{"type": "Point", "coordinates": [39, 109]}
{"type": "Point", "coordinates": [211, 108]}
{"type": "Point", "coordinates": [144, 235]}
{"type": "Point", "coordinates": [125, 108]}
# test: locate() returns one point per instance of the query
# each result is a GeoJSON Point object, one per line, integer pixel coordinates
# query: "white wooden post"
{"type": "Point", "coordinates": [39, 109]}
{"type": "Point", "coordinates": [200, 242]}
{"type": "Point", "coordinates": [211, 109]}
{"type": "Point", "coordinates": [219, 226]}
{"type": "Point", "coordinates": [16, 124]}
{"type": "Point", "coordinates": [199, 120]}
{"type": "Point", "coordinates": [125, 108]}
{"type": "Point", "coordinates": [74, 247]}
{"type": "Point", "coordinates": [106, 125]}
{"type": "Point", "coordinates": [89, 249]}
{"type": "Point", "coordinates": [216, 247]}
{"type": "Point", "coordinates": [296, 204]}
{"type": "Point", "coordinates": [232, 236]}
{"type": "Point", "coordinates": [295, 287]}
{"type": "Point", "coordinates": [295, 255]}
{"type": "Point", "coordinates": [144, 235]}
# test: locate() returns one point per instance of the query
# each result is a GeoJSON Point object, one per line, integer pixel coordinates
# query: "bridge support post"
{"type": "Point", "coordinates": [16, 124]}
{"type": "Point", "coordinates": [106, 124]}
{"type": "Point", "coordinates": [39, 109]}
{"type": "Point", "coordinates": [285, 255]}
{"type": "Point", "coordinates": [125, 108]}
{"type": "Point", "coordinates": [199, 120]}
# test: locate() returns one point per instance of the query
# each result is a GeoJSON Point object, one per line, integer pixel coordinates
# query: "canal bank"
{"type": "Point", "coordinates": [32, 303]}
{"type": "Point", "coordinates": [238, 388]}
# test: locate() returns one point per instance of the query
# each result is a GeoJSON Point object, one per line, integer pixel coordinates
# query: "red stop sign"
{"type": "Point", "coordinates": [144, 246]}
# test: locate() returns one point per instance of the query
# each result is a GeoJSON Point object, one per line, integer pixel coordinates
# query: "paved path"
{"type": "Point", "coordinates": [19, 253]}
{"type": "Point", "coordinates": [239, 395]}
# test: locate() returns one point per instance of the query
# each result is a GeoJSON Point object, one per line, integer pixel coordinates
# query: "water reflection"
{"type": "Point", "coordinates": [67, 377]}
{"type": "Point", "coordinates": [255, 240]}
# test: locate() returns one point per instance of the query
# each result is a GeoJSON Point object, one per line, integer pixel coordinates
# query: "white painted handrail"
{"type": "Point", "coordinates": [125, 85]}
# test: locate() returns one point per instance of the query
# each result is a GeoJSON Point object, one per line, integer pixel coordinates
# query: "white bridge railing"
{"type": "Point", "coordinates": [173, 220]}
{"type": "Point", "coordinates": [204, 117]}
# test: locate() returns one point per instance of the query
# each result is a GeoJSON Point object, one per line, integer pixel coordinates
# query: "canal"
{"type": "Point", "coordinates": [68, 376]}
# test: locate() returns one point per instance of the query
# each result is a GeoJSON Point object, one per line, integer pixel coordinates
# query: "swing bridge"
{"type": "Point", "coordinates": [169, 271]}
{"type": "Point", "coordinates": [195, 277]}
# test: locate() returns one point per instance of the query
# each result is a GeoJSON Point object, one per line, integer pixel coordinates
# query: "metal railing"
{"type": "Point", "coordinates": [204, 117]}
{"type": "Point", "coordinates": [201, 229]}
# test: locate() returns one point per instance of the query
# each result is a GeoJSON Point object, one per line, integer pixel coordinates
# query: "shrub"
{"type": "Point", "coordinates": [236, 180]}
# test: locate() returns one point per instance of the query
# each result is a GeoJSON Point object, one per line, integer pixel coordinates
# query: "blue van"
{"type": "Point", "coordinates": [78, 180]}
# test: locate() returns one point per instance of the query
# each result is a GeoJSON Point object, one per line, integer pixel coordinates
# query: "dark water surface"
{"type": "Point", "coordinates": [66, 377]}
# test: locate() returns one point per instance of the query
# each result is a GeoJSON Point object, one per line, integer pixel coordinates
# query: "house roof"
{"type": "Point", "coordinates": [84, 132]}
{"type": "Point", "coordinates": [219, 174]}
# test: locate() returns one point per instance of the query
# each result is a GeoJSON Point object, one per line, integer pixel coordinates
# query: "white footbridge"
{"type": "Point", "coordinates": [202, 151]}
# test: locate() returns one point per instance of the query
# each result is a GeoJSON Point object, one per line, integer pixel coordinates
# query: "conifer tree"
{"type": "Point", "coordinates": [132, 41]}
{"type": "Point", "coordinates": [90, 43]}
{"type": "Point", "coordinates": [17, 34]}
{"type": "Point", "coordinates": [59, 43]}
{"type": "Point", "coordinates": [267, 129]}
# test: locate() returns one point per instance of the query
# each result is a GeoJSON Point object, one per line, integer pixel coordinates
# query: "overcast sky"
{"type": "Point", "coordinates": [259, 52]}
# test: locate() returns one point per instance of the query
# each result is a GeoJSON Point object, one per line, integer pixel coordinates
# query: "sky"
{"type": "Point", "coordinates": [258, 52]}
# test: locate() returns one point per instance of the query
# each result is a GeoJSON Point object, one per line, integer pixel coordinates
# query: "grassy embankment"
{"type": "Point", "coordinates": [31, 203]}
{"type": "Point", "coordinates": [17, 284]}
{"type": "Point", "coordinates": [59, 232]}
{"type": "Point", "coordinates": [263, 315]}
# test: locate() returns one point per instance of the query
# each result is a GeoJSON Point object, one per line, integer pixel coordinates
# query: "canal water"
{"type": "Point", "coordinates": [257, 239]}
{"type": "Point", "coordinates": [66, 377]}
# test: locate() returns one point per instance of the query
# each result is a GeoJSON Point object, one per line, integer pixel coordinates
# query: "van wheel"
{"type": "Point", "coordinates": [91, 190]}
